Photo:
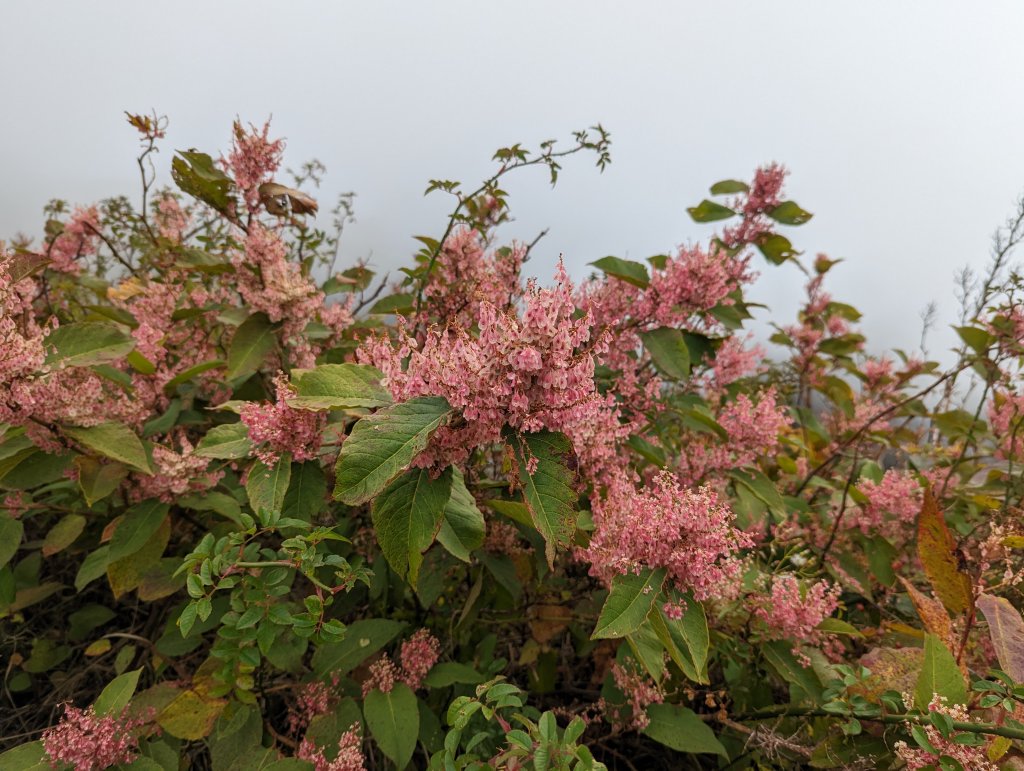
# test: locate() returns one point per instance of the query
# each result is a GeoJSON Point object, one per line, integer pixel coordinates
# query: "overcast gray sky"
{"type": "Point", "coordinates": [901, 123]}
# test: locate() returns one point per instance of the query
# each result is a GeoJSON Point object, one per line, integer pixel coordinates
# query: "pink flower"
{"type": "Point", "coordinates": [277, 429]}
{"type": "Point", "coordinates": [171, 220]}
{"type": "Point", "coordinates": [897, 495]}
{"type": "Point", "coordinates": [793, 611]}
{"type": "Point", "coordinates": [383, 675]}
{"type": "Point", "coordinates": [419, 653]}
{"type": "Point", "coordinates": [89, 742]}
{"type": "Point", "coordinates": [349, 758]}
{"type": "Point", "coordinates": [970, 757]}
{"type": "Point", "coordinates": [640, 692]}
{"type": "Point", "coordinates": [176, 473]}
{"type": "Point", "coordinates": [253, 160]}
{"type": "Point", "coordinates": [688, 532]}
{"type": "Point", "coordinates": [79, 238]}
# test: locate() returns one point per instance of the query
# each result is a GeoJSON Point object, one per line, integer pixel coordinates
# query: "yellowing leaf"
{"type": "Point", "coordinates": [932, 613]}
{"type": "Point", "coordinates": [1006, 627]}
{"type": "Point", "coordinates": [190, 716]}
{"type": "Point", "coordinates": [127, 573]}
{"type": "Point", "coordinates": [937, 550]}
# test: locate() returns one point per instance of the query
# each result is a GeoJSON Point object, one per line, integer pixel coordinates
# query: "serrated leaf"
{"type": "Point", "coordinates": [939, 674]}
{"type": "Point", "coordinates": [85, 343]}
{"type": "Point", "coordinates": [709, 211]}
{"type": "Point", "coordinates": [113, 440]}
{"type": "Point", "coordinates": [253, 341]}
{"type": "Point", "coordinates": [383, 445]}
{"type": "Point", "coordinates": [936, 548]}
{"type": "Point", "coordinates": [196, 174]}
{"type": "Point", "coordinates": [229, 441]}
{"type": "Point", "coordinates": [463, 527]}
{"type": "Point", "coordinates": [406, 518]}
{"type": "Point", "coordinates": [338, 386]}
{"type": "Point", "coordinates": [629, 602]}
{"type": "Point", "coordinates": [634, 273]}
{"type": "Point", "coordinates": [394, 720]}
{"type": "Point", "coordinates": [549, 492]}
{"type": "Point", "coordinates": [1006, 628]}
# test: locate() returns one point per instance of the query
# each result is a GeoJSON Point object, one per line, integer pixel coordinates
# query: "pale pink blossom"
{"type": "Point", "coordinates": [79, 238]}
{"type": "Point", "coordinates": [898, 496]}
{"type": "Point", "coordinates": [793, 611]}
{"type": "Point", "coordinates": [253, 160]}
{"type": "Point", "coordinates": [349, 757]}
{"type": "Point", "coordinates": [418, 654]}
{"type": "Point", "coordinates": [640, 693]}
{"type": "Point", "coordinates": [90, 742]}
{"type": "Point", "coordinates": [277, 429]}
{"type": "Point", "coordinates": [970, 757]}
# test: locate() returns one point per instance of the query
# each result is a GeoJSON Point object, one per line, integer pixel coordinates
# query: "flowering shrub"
{"type": "Point", "coordinates": [259, 511]}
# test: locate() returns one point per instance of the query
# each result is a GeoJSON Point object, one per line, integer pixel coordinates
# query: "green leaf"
{"type": "Point", "coordinates": [63, 534]}
{"type": "Point", "coordinates": [789, 213]}
{"type": "Point", "coordinates": [221, 503]}
{"type": "Point", "coordinates": [92, 567]}
{"type": "Point", "coordinates": [406, 517]}
{"type": "Point", "coordinates": [939, 674]}
{"type": "Point", "coordinates": [550, 492]}
{"type": "Point", "coordinates": [669, 351]}
{"type": "Point", "coordinates": [394, 722]}
{"type": "Point", "coordinates": [631, 598]}
{"type": "Point", "coordinates": [196, 174]}
{"type": "Point", "coordinates": [709, 211]}
{"type": "Point", "coordinates": [686, 639]}
{"type": "Point", "coordinates": [307, 492]}
{"type": "Point", "coordinates": [338, 386]}
{"type": "Point", "coordinates": [267, 485]}
{"type": "Point", "coordinates": [729, 187]}
{"type": "Point", "coordinates": [977, 338]}
{"type": "Point", "coordinates": [362, 639]}
{"type": "Point", "coordinates": [394, 303]}
{"type": "Point", "coordinates": [139, 523]}
{"type": "Point", "coordinates": [118, 692]}
{"type": "Point", "coordinates": [776, 249]}
{"type": "Point", "coordinates": [191, 372]}
{"type": "Point", "coordinates": [762, 488]}
{"type": "Point", "coordinates": [98, 480]}
{"type": "Point", "coordinates": [634, 273]}
{"type": "Point", "coordinates": [779, 655]}
{"type": "Point", "coordinates": [26, 757]}
{"type": "Point", "coordinates": [383, 445]}
{"type": "Point", "coordinates": [11, 531]}
{"type": "Point", "coordinates": [463, 527]}
{"type": "Point", "coordinates": [85, 343]}
{"type": "Point", "coordinates": [225, 442]}
{"type": "Point", "coordinates": [682, 730]}
{"type": "Point", "coordinates": [254, 339]}
{"type": "Point", "coordinates": [451, 672]}
{"type": "Point", "coordinates": [113, 440]}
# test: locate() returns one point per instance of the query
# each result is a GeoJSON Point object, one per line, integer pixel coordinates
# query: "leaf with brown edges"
{"type": "Point", "coordinates": [937, 551]}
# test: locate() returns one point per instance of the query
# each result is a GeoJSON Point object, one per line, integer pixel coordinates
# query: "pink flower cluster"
{"type": "Point", "coordinates": [764, 195]}
{"type": "Point", "coordinates": [898, 495]}
{"type": "Point", "coordinates": [171, 220]}
{"type": "Point", "coordinates": [530, 372]}
{"type": "Point", "coordinates": [465, 275]}
{"type": "Point", "coordinates": [969, 756]}
{"type": "Point", "coordinates": [794, 611]}
{"type": "Point", "coordinates": [90, 742]}
{"type": "Point", "coordinates": [176, 473]}
{"type": "Point", "coordinates": [640, 692]}
{"type": "Point", "coordinates": [418, 655]}
{"type": "Point", "coordinates": [349, 757]}
{"type": "Point", "coordinates": [277, 429]}
{"type": "Point", "coordinates": [79, 238]}
{"type": "Point", "coordinates": [1006, 417]}
{"type": "Point", "coordinates": [688, 532]}
{"type": "Point", "coordinates": [253, 160]}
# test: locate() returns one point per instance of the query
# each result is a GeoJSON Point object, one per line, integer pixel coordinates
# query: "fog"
{"type": "Point", "coordinates": [900, 122]}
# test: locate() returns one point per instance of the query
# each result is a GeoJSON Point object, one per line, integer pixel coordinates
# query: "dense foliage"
{"type": "Point", "coordinates": [260, 512]}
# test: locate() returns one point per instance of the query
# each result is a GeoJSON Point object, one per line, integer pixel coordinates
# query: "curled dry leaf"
{"type": "Point", "coordinates": [280, 200]}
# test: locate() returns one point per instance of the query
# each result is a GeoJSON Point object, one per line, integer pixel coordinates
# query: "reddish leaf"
{"type": "Point", "coordinates": [1006, 628]}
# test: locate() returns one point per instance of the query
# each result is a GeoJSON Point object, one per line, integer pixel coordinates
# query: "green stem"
{"type": "Point", "coordinates": [787, 711]}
